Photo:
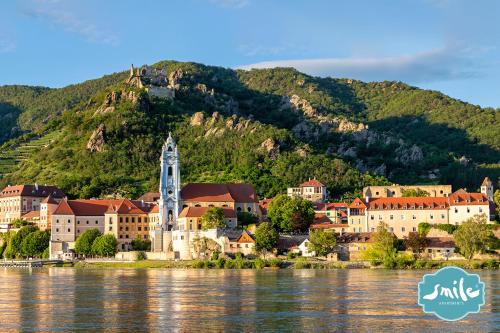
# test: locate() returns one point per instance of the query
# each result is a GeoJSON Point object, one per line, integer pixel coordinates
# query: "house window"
{"type": "Point", "coordinates": [456, 210]}
{"type": "Point", "coordinates": [442, 216]}
{"type": "Point", "coordinates": [403, 229]}
{"type": "Point", "coordinates": [249, 209]}
{"type": "Point", "coordinates": [414, 217]}
{"type": "Point", "coordinates": [87, 222]}
{"type": "Point", "coordinates": [480, 209]}
{"type": "Point", "coordinates": [78, 222]}
{"type": "Point", "coordinates": [138, 228]}
{"type": "Point", "coordinates": [402, 217]}
{"type": "Point", "coordinates": [110, 228]}
{"type": "Point", "coordinates": [69, 221]}
{"type": "Point", "coordinates": [391, 217]}
{"type": "Point", "coordinates": [391, 229]}
{"type": "Point", "coordinates": [432, 216]}
{"type": "Point", "coordinates": [468, 210]}
{"type": "Point", "coordinates": [57, 229]}
{"type": "Point", "coordinates": [414, 228]}
{"type": "Point", "coordinates": [133, 219]}
{"type": "Point", "coordinates": [380, 217]}
{"type": "Point", "coordinates": [121, 219]}
{"type": "Point", "coordinates": [96, 222]}
{"type": "Point", "coordinates": [372, 217]}
{"type": "Point", "coordinates": [126, 220]}
{"type": "Point", "coordinates": [69, 230]}
{"type": "Point", "coordinates": [126, 236]}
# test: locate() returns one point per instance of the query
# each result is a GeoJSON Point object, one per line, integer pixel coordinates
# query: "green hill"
{"type": "Point", "coordinates": [273, 127]}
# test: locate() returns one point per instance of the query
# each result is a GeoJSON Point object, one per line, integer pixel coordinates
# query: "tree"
{"type": "Point", "coordinates": [245, 218]}
{"type": "Point", "coordinates": [18, 223]}
{"type": "Point", "coordinates": [322, 242]}
{"type": "Point", "coordinates": [290, 214]}
{"type": "Point", "coordinates": [496, 199]}
{"type": "Point", "coordinates": [14, 248]}
{"type": "Point", "coordinates": [105, 245]}
{"type": "Point", "coordinates": [416, 241]}
{"type": "Point", "coordinates": [35, 243]}
{"type": "Point", "coordinates": [213, 218]}
{"type": "Point", "coordinates": [266, 237]}
{"type": "Point", "coordinates": [383, 247]}
{"type": "Point", "coordinates": [83, 244]}
{"type": "Point", "coordinates": [415, 193]}
{"type": "Point", "coordinates": [139, 244]}
{"type": "Point", "coordinates": [472, 236]}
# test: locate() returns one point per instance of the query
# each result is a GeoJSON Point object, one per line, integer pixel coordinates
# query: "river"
{"type": "Point", "coordinates": [163, 300]}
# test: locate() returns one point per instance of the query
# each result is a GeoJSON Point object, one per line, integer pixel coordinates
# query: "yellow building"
{"type": "Point", "coordinates": [190, 218]}
{"type": "Point", "coordinates": [396, 191]}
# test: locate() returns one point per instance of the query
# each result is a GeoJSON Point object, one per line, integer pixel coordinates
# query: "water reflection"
{"type": "Point", "coordinates": [225, 300]}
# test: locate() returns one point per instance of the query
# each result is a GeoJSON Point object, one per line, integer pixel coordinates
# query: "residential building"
{"type": "Point", "coordinates": [311, 190]}
{"type": "Point", "coordinates": [350, 246]}
{"type": "Point", "coordinates": [402, 215]}
{"type": "Point", "coordinates": [439, 248]}
{"type": "Point", "coordinates": [18, 200]}
{"type": "Point", "coordinates": [336, 212]}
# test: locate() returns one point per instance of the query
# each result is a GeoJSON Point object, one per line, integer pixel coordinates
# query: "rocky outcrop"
{"type": "Point", "coordinates": [197, 119]}
{"type": "Point", "coordinates": [409, 156]}
{"type": "Point", "coordinates": [271, 147]}
{"type": "Point", "coordinates": [213, 120]}
{"type": "Point", "coordinates": [174, 79]}
{"type": "Point", "coordinates": [349, 126]}
{"type": "Point", "coordinates": [97, 139]}
{"type": "Point", "coordinates": [298, 103]}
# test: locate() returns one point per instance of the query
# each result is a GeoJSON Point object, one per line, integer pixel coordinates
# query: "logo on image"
{"type": "Point", "coordinates": [451, 293]}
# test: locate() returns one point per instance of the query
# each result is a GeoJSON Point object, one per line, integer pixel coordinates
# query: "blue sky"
{"type": "Point", "coordinates": [447, 45]}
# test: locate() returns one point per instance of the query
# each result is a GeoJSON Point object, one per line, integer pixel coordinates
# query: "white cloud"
{"type": "Point", "coordinates": [442, 64]}
{"type": "Point", "coordinates": [231, 3]}
{"type": "Point", "coordinates": [70, 22]}
{"type": "Point", "coordinates": [7, 46]}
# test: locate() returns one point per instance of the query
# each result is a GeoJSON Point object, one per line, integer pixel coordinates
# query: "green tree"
{"type": "Point", "coordinates": [18, 223]}
{"type": "Point", "coordinates": [105, 245]}
{"type": "Point", "coordinates": [213, 218]}
{"type": "Point", "coordinates": [415, 193]}
{"type": "Point", "coordinates": [322, 242]}
{"type": "Point", "coordinates": [472, 236]}
{"type": "Point", "coordinates": [417, 242]}
{"type": "Point", "coordinates": [383, 246]}
{"type": "Point", "coordinates": [140, 244]}
{"type": "Point", "coordinates": [290, 214]}
{"type": "Point", "coordinates": [83, 244]}
{"type": "Point", "coordinates": [496, 199]}
{"type": "Point", "coordinates": [245, 218]}
{"type": "Point", "coordinates": [35, 244]}
{"type": "Point", "coordinates": [266, 238]}
{"type": "Point", "coordinates": [14, 247]}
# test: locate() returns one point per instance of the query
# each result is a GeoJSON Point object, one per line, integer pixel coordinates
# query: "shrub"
{"type": "Point", "coordinates": [291, 255]}
{"type": "Point", "coordinates": [491, 264]}
{"type": "Point", "coordinates": [141, 255]}
{"type": "Point", "coordinates": [198, 263]}
{"type": "Point", "coordinates": [219, 262]}
{"type": "Point", "coordinates": [259, 263]}
{"type": "Point", "coordinates": [229, 264]}
{"type": "Point", "coordinates": [274, 262]}
{"type": "Point", "coordinates": [419, 264]}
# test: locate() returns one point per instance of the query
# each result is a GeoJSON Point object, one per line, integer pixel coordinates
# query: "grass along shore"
{"type": "Point", "coordinates": [276, 263]}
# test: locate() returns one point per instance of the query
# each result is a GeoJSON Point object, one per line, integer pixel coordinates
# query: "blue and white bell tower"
{"type": "Point", "coordinates": [170, 185]}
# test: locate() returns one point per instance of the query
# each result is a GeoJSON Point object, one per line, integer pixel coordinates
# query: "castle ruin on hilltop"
{"type": "Point", "coordinates": [153, 80]}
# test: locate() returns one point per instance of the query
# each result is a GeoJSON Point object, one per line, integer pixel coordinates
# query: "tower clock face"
{"type": "Point", "coordinates": [170, 160]}
{"type": "Point", "coordinates": [170, 191]}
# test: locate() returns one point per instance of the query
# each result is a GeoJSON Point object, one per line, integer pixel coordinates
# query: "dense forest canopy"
{"type": "Point", "coordinates": [272, 127]}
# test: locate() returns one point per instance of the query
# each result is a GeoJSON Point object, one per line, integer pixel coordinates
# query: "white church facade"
{"type": "Point", "coordinates": [178, 229]}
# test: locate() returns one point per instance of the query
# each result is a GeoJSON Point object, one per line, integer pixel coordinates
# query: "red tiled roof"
{"type": "Point", "coordinates": [208, 192]}
{"type": "Point", "coordinates": [199, 211]}
{"type": "Point", "coordinates": [355, 237]}
{"type": "Point", "coordinates": [329, 206]}
{"type": "Point", "coordinates": [31, 191]}
{"type": "Point", "coordinates": [264, 204]}
{"type": "Point", "coordinates": [321, 218]}
{"type": "Point", "coordinates": [328, 226]}
{"type": "Point", "coordinates": [32, 214]}
{"type": "Point", "coordinates": [357, 203]}
{"type": "Point", "coordinates": [464, 198]}
{"type": "Point", "coordinates": [393, 203]}
{"type": "Point", "coordinates": [63, 209]}
{"type": "Point", "coordinates": [446, 242]}
{"type": "Point", "coordinates": [95, 207]}
{"type": "Point", "coordinates": [311, 182]}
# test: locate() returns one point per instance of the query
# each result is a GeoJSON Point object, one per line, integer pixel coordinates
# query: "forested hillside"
{"type": "Point", "coordinates": [273, 128]}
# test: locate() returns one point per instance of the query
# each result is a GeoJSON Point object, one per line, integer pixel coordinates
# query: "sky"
{"type": "Point", "coordinates": [448, 45]}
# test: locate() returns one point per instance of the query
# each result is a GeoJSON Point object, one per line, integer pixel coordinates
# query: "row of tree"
{"type": "Point", "coordinates": [28, 242]}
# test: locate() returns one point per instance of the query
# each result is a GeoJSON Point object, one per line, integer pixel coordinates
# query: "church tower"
{"type": "Point", "coordinates": [170, 185]}
{"type": "Point", "coordinates": [487, 188]}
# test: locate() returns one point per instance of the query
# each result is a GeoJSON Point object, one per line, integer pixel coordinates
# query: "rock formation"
{"type": "Point", "coordinates": [271, 147]}
{"type": "Point", "coordinates": [97, 139]}
{"type": "Point", "coordinates": [197, 119]}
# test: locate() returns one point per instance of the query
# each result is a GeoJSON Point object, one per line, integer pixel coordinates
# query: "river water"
{"type": "Point", "coordinates": [164, 300]}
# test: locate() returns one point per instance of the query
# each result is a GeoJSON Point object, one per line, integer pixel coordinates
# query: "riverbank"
{"type": "Point", "coordinates": [300, 263]}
